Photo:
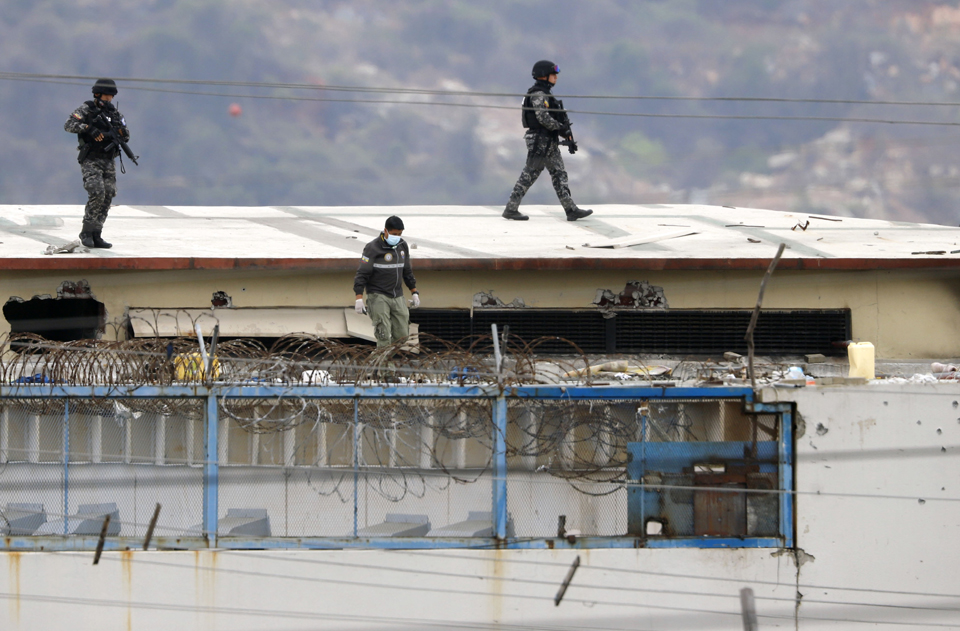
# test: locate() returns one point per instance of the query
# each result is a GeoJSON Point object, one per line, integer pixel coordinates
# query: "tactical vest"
{"type": "Point", "coordinates": [529, 117]}
{"type": "Point", "coordinates": [97, 148]}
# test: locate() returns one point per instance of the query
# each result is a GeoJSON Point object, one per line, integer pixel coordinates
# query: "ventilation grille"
{"type": "Point", "coordinates": [704, 332]}
{"type": "Point", "coordinates": [675, 331]}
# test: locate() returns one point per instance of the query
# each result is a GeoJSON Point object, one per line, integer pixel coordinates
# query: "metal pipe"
{"type": "Point", "coordinates": [211, 469]}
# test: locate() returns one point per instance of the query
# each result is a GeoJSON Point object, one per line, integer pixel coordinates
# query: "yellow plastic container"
{"type": "Point", "coordinates": [190, 367]}
{"type": "Point", "coordinates": [861, 357]}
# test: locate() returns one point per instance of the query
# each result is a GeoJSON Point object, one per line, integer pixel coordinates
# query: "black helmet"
{"type": "Point", "coordinates": [543, 68]}
{"type": "Point", "coordinates": [105, 86]}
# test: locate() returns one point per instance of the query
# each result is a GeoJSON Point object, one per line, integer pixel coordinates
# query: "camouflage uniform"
{"type": "Point", "coordinates": [549, 157]}
{"type": "Point", "coordinates": [98, 169]}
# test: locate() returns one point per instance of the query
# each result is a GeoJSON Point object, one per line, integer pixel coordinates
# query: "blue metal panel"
{"type": "Point", "coordinates": [786, 479]}
{"type": "Point", "coordinates": [211, 469]}
{"type": "Point", "coordinates": [673, 457]}
{"type": "Point", "coordinates": [370, 392]}
{"type": "Point", "coordinates": [500, 468]}
{"type": "Point", "coordinates": [715, 542]}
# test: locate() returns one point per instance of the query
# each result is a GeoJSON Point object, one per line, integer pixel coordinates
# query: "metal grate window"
{"type": "Point", "coordinates": [674, 331]}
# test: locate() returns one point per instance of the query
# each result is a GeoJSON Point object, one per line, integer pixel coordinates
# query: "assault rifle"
{"type": "Point", "coordinates": [564, 119]}
{"type": "Point", "coordinates": [111, 138]}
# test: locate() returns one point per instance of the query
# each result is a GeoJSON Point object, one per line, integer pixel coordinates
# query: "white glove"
{"type": "Point", "coordinates": [359, 306]}
{"type": "Point", "coordinates": [416, 301]}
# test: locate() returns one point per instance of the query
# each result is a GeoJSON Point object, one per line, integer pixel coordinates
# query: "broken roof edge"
{"type": "Point", "coordinates": [74, 263]}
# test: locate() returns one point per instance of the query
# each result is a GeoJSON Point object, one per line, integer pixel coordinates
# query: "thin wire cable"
{"type": "Point", "coordinates": [587, 601]}
{"type": "Point", "coordinates": [571, 111]}
{"type": "Point", "coordinates": [435, 92]}
{"type": "Point", "coordinates": [703, 577]}
{"type": "Point", "coordinates": [580, 584]}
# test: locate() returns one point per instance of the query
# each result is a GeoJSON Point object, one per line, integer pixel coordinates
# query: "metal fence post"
{"type": "Point", "coordinates": [66, 463]}
{"type": "Point", "coordinates": [356, 462]}
{"type": "Point", "coordinates": [500, 467]}
{"type": "Point", "coordinates": [786, 478]}
{"type": "Point", "coordinates": [211, 467]}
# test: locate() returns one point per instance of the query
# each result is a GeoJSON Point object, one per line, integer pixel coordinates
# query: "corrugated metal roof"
{"type": "Point", "coordinates": [638, 237]}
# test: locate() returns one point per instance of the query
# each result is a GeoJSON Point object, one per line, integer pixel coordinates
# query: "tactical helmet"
{"type": "Point", "coordinates": [543, 68]}
{"type": "Point", "coordinates": [105, 86]}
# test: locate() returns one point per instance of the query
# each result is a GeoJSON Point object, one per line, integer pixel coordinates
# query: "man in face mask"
{"type": "Point", "coordinates": [90, 121]}
{"type": "Point", "coordinates": [384, 268]}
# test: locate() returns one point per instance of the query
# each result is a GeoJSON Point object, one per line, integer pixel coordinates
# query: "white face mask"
{"type": "Point", "coordinates": [393, 240]}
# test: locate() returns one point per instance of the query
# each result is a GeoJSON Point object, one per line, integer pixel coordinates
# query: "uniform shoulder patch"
{"type": "Point", "coordinates": [77, 116]}
{"type": "Point", "coordinates": [365, 259]}
{"type": "Point", "coordinates": [546, 103]}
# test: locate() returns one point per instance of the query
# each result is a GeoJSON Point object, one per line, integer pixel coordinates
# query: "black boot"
{"type": "Point", "coordinates": [513, 213]}
{"type": "Point", "coordinates": [100, 243]}
{"type": "Point", "coordinates": [86, 238]}
{"type": "Point", "coordinates": [578, 213]}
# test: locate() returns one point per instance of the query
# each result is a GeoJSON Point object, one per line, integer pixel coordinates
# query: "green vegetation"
{"type": "Point", "coordinates": [331, 152]}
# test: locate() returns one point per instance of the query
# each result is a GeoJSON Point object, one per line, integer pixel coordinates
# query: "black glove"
{"type": "Point", "coordinates": [572, 146]}
{"type": "Point", "coordinates": [92, 132]}
{"type": "Point", "coordinates": [565, 132]}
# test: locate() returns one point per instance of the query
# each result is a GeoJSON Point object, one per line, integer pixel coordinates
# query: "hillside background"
{"type": "Point", "coordinates": [283, 151]}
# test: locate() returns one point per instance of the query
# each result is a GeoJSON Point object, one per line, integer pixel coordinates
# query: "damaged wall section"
{"type": "Point", "coordinates": [73, 315]}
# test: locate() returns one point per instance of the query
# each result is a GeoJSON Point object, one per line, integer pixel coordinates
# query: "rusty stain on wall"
{"type": "Point", "coordinates": [126, 563]}
{"type": "Point", "coordinates": [13, 567]}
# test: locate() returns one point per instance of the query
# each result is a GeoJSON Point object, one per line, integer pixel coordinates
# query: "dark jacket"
{"type": "Point", "coordinates": [382, 268]}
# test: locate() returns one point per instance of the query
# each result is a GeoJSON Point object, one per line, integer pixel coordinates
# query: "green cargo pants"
{"type": "Point", "coordinates": [390, 316]}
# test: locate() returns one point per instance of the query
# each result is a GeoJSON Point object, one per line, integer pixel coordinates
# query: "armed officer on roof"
{"type": "Point", "coordinates": [102, 132]}
{"type": "Point", "coordinates": [546, 123]}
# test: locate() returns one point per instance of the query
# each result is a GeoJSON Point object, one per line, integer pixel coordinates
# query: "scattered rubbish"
{"type": "Point", "coordinates": [315, 377]}
{"type": "Point", "coordinates": [931, 252]}
{"type": "Point", "coordinates": [795, 372]}
{"type": "Point", "coordinates": [740, 225]}
{"type": "Point", "coordinates": [570, 247]}
{"type": "Point", "coordinates": [915, 379]}
{"type": "Point", "coordinates": [821, 429]}
{"type": "Point", "coordinates": [921, 501]}
{"type": "Point", "coordinates": [815, 358]}
{"type": "Point", "coordinates": [38, 378]}
{"type": "Point", "coordinates": [621, 366]}
{"type": "Point", "coordinates": [951, 251]}
{"type": "Point", "coordinates": [487, 299]}
{"type": "Point", "coordinates": [638, 294]}
{"type": "Point", "coordinates": [938, 367]}
{"type": "Point", "coordinates": [673, 225]}
{"type": "Point", "coordinates": [732, 357]}
{"type": "Point", "coordinates": [825, 218]}
{"type": "Point", "coordinates": [753, 240]}
{"type": "Point", "coordinates": [625, 242]}
{"type": "Point", "coordinates": [803, 226]}
{"type": "Point", "coordinates": [820, 239]}
{"type": "Point", "coordinates": [730, 207]}
{"type": "Point", "coordinates": [74, 247]}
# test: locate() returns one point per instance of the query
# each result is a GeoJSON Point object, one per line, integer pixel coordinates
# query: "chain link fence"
{"type": "Point", "coordinates": [311, 467]}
